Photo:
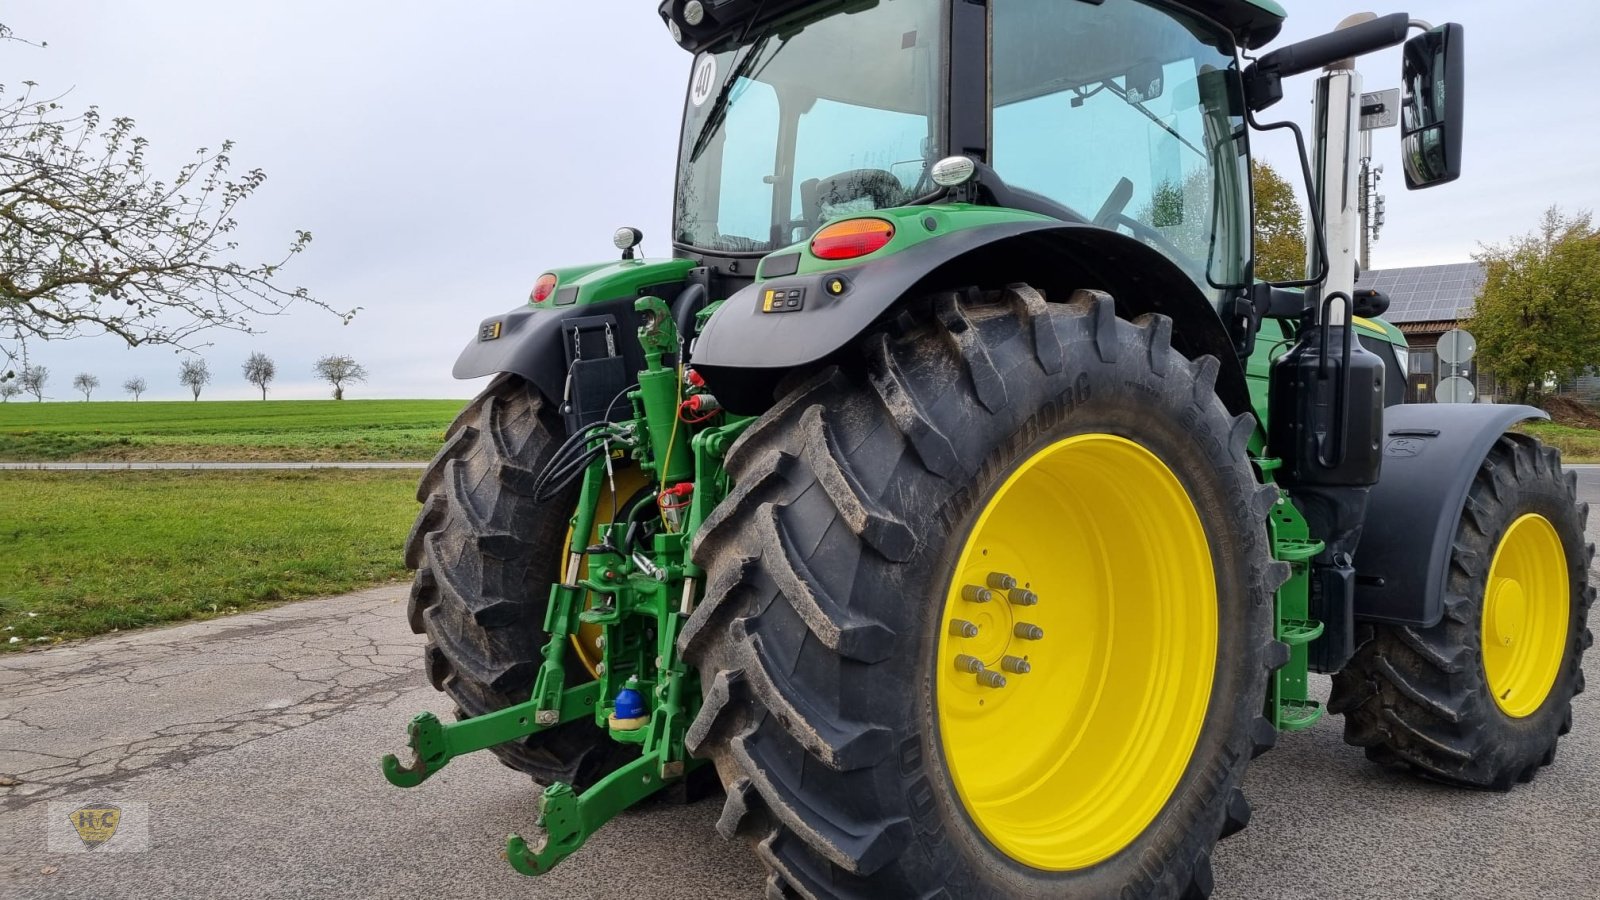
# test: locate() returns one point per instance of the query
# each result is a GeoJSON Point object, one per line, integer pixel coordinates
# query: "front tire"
{"type": "Point", "coordinates": [835, 565]}
{"type": "Point", "coordinates": [1481, 698]}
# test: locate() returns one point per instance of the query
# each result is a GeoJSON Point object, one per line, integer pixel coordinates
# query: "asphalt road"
{"type": "Point", "coordinates": [254, 742]}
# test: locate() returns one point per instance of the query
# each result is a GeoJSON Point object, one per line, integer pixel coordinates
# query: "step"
{"type": "Point", "coordinates": [1295, 632]}
{"type": "Point", "coordinates": [1295, 550]}
{"type": "Point", "coordinates": [1298, 715]}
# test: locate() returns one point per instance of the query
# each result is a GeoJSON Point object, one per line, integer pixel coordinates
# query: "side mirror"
{"type": "Point", "coordinates": [1430, 113]}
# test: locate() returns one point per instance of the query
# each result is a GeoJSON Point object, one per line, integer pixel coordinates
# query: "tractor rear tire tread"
{"type": "Point", "coordinates": [790, 652]}
{"type": "Point", "coordinates": [1416, 698]}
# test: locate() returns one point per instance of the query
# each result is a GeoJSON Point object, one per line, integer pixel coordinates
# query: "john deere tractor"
{"type": "Point", "coordinates": [955, 498]}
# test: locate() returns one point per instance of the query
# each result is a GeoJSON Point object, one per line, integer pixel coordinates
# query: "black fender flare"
{"type": "Point", "coordinates": [1431, 453]}
{"type": "Point", "coordinates": [527, 341]}
{"type": "Point", "coordinates": [743, 352]}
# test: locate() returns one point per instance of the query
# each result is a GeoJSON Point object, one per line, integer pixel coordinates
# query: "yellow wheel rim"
{"type": "Point", "coordinates": [1065, 765]}
{"type": "Point", "coordinates": [629, 482]}
{"type": "Point", "coordinates": [1525, 612]}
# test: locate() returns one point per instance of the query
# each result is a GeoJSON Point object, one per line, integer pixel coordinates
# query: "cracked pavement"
{"type": "Point", "coordinates": [255, 741]}
{"type": "Point", "coordinates": [90, 715]}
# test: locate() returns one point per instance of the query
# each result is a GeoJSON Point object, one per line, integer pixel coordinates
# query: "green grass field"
{"type": "Point", "coordinates": [84, 553]}
{"type": "Point", "coordinates": [1577, 445]}
{"type": "Point", "coordinates": [226, 430]}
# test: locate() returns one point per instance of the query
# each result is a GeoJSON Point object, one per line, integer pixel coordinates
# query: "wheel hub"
{"type": "Point", "coordinates": [1511, 612]}
{"type": "Point", "coordinates": [993, 633]}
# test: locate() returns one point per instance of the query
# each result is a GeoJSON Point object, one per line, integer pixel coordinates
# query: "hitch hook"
{"type": "Point", "coordinates": [568, 819]}
{"type": "Point", "coordinates": [427, 743]}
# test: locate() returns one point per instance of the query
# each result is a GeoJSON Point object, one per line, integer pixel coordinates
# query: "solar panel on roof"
{"type": "Point", "coordinates": [1436, 293]}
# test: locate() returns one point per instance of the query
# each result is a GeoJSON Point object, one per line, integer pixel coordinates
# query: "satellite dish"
{"type": "Point", "coordinates": [1455, 389]}
{"type": "Point", "coordinates": [1456, 347]}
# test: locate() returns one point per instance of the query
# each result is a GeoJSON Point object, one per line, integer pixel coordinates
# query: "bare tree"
{"type": "Point", "coordinates": [337, 370]}
{"type": "Point", "coordinates": [33, 380]}
{"type": "Point", "coordinates": [194, 375]}
{"type": "Point", "coordinates": [91, 240]}
{"type": "Point", "coordinates": [8, 389]}
{"type": "Point", "coordinates": [135, 386]}
{"type": "Point", "coordinates": [86, 383]}
{"type": "Point", "coordinates": [259, 370]}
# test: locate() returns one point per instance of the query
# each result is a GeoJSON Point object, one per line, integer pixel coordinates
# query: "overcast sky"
{"type": "Point", "coordinates": [443, 155]}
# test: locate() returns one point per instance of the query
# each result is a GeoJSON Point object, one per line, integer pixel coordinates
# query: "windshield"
{"type": "Point", "coordinates": [807, 123]}
{"type": "Point", "coordinates": [1127, 114]}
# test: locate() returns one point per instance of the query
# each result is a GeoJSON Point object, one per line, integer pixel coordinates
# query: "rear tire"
{"type": "Point", "coordinates": [486, 554]}
{"type": "Point", "coordinates": [1420, 698]}
{"type": "Point", "coordinates": [818, 638]}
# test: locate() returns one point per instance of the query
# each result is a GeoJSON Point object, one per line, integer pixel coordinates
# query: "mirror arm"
{"type": "Point", "coordinates": [1263, 78]}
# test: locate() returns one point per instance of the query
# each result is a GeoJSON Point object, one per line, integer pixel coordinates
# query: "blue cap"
{"type": "Point", "coordinates": [630, 704]}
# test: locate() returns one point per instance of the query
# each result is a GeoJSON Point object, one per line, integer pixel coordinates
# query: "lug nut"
{"type": "Point", "coordinates": [1016, 665]}
{"type": "Point", "coordinates": [989, 678]}
{"type": "Point", "coordinates": [1022, 597]}
{"type": "Point", "coordinates": [976, 594]}
{"type": "Point", "coordinates": [1028, 632]}
{"type": "Point", "coordinates": [1000, 581]}
{"type": "Point", "coordinates": [963, 629]}
{"type": "Point", "coordinates": [968, 664]}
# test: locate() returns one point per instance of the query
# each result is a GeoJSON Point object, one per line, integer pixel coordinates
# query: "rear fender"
{"type": "Point", "coordinates": [527, 341]}
{"type": "Point", "coordinates": [745, 350]}
{"type": "Point", "coordinates": [1432, 453]}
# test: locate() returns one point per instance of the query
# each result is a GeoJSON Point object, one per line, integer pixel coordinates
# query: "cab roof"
{"type": "Point", "coordinates": [1252, 22]}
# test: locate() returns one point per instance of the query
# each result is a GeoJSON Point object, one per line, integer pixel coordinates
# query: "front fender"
{"type": "Point", "coordinates": [745, 348]}
{"type": "Point", "coordinates": [1432, 452]}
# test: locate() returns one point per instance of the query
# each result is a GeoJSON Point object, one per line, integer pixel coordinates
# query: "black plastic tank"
{"type": "Point", "coordinates": [1325, 411]}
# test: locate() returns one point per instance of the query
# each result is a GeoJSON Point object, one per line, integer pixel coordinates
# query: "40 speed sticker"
{"type": "Point", "coordinates": [704, 81]}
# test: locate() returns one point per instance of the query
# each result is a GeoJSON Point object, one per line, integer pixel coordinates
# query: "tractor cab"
{"type": "Point", "coordinates": [1126, 115]}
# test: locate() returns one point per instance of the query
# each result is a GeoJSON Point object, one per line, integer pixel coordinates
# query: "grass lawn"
{"type": "Point", "coordinates": [85, 553]}
{"type": "Point", "coordinates": [1577, 445]}
{"type": "Point", "coordinates": [226, 430]}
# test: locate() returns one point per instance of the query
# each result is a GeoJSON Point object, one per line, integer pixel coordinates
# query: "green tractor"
{"type": "Point", "coordinates": [955, 498]}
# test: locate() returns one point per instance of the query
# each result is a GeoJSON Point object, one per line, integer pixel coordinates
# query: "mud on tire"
{"type": "Point", "coordinates": [485, 555]}
{"type": "Point", "coordinates": [829, 563]}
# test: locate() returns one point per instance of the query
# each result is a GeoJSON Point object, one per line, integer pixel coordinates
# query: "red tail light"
{"type": "Point", "coordinates": [543, 288]}
{"type": "Point", "coordinates": [851, 238]}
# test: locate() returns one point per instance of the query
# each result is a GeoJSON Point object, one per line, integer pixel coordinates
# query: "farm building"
{"type": "Point", "coordinates": [1425, 302]}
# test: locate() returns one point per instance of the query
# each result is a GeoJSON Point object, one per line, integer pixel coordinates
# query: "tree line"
{"type": "Point", "coordinates": [259, 369]}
